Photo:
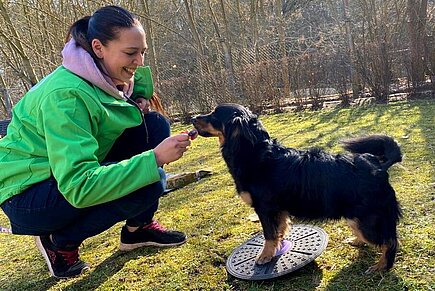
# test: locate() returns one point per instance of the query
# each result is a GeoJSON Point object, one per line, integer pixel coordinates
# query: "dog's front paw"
{"type": "Point", "coordinates": [267, 253]}
{"type": "Point", "coordinates": [264, 257]}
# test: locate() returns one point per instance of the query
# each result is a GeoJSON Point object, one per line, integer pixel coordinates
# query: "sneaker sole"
{"type": "Point", "coordinates": [85, 269]}
{"type": "Point", "coordinates": [47, 260]}
{"type": "Point", "coordinates": [129, 247]}
{"type": "Point", "coordinates": [44, 254]}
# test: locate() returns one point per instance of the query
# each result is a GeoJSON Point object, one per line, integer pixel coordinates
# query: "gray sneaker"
{"type": "Point", "coordinates": [152, 234]}
{"type": "Point", "coordinates": [62, 263]}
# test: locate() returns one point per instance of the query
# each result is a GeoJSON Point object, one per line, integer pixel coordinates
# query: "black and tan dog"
{"type": "Point", "coordinates": [279, 182]}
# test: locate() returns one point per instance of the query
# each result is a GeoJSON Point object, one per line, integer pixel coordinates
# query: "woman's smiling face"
{"type": "Point", "coordinates": [121, 57]}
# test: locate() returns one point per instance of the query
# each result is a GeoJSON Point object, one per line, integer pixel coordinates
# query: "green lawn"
{"type": "Point", "coordinates": [215, 219]}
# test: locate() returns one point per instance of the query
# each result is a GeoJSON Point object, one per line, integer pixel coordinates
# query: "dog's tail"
{"type": "Point", "coordinates": [384, 147]}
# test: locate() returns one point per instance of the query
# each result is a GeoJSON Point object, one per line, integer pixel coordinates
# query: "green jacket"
{"type": "Point", "coordinates": [65, 126]}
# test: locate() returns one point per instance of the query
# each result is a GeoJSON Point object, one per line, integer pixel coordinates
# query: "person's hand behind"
{"type": "Point", "coordinates": [171, 149]}
{"type": "Point", "coordinates": [143, 104]}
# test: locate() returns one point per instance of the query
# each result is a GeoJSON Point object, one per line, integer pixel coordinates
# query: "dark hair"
{"type": "Point", "coordinates": [103, 25]}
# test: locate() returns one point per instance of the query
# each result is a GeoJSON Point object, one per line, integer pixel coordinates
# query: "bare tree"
{"type": "Point", "coordinates": [195, 33]}
{"type": "Point", "coordinates": [5, 98]}
{"type": "Point", "coordinates": [254, 28]}
{"type": "Point", "coordinates": [374, 48]}
{"type": "Point", "coordinates": [351, 46]}
{"type": "Point", "coordinates": [149, 28]}
{"type": "Point", "coordinates": [226, 47]}
{"type": "Point", "coordinates": [14, 48]}
{"type": "Point", "coordinates": [417, 10]}
{"type": "Point", "coordinates": [280, 25]}
{"type": "Point", "coordinates": [268, 51]}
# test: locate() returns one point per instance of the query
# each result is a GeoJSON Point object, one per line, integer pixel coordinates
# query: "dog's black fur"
{"type": "Point", "coordinates": [309, 184]}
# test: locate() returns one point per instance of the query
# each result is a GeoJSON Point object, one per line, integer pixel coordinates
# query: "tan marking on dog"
{"type": "Point", "coordinates": [203, 126]}
{"type": "Point", "coordinates": [359, 239]}
{"type": "Point", "coordinates": [382, 264]}
{"type": "Point", "coordinates": [210, 129]}
{"type": "Point", "coordinates": [220, 135]}
{"type": "Point", "coordinates": [271, 246]}
{"type": "Point", "coordinates": [284, 225]}
{"type": "Point", "coordinates": [246, 197]}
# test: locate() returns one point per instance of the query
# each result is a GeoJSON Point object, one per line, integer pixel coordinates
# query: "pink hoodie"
{"type": "Point", "coordinates": [80, 62]}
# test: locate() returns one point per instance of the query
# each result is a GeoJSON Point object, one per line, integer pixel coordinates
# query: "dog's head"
{"type": "Point", "coordinates": [230, 122]}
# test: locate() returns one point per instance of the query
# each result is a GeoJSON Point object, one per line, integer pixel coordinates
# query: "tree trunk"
{"type": "Point", "coordinates": [195, 32]}
{"type": "Point", "coordinates": [202, 61]}
{"type": "Point", "coordinates": [351, 47]}
{"type": "Point", "coordinates": [226, 48]}
{"type": "Point", "coordinates": [15, 43]}
{"type": "Point", "coordinates": [242, 25]}
{"type": "Point", "coordinates": [282, 47]}
{"type": "Point", "coordinates": [153, 57]}
{"type": "Point", "coordinates": [417, 39]}
{"type": "Point", "coordinates": [6, 98]}
{"type": "Point", "coordinates": [254, 29]}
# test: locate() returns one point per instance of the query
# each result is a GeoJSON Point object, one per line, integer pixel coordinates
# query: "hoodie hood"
{"type": "Point", "coordinates": [80, 62]}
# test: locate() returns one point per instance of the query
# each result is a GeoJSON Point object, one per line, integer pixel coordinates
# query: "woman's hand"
{"type": "Point", "coordinates": [171, 149]}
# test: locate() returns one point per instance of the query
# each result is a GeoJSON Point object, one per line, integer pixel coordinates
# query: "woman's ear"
{"type": "Point", "coordinates": [97, 47]}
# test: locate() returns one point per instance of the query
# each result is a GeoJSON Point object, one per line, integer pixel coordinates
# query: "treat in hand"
{"type": "Point", "coordinates": [192, 134]}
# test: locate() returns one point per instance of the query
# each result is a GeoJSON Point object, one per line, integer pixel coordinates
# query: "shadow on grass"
{"type": "Point", "coordinates": [91, 280]}
{"type": "Point", "coordinates": [307, 278]}
{"type": "Point", "coordinates": [354, 276]}
{"type": "Point", "coordinates": [426, 124]}
{"type": "Point", "coordinates": [43, 284]}
{"type": "Point", "coordinates": [342, 118]}
{"type": "Point", "coordinates": [106, 269]}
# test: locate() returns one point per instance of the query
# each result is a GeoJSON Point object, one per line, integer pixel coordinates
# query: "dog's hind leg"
{"type": "Point", "coordinates": [275, 228]}
{"type": "Point", "coordinates": [388, 246]}
{"type": "Point", "coordinates": [388, 256]}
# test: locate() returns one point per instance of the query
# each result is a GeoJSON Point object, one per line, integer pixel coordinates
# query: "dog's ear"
{"type": "Point", "coordinates": [240, 128]}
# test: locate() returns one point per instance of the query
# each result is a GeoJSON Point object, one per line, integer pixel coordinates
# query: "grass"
{"type": "Point", "coordinates": [215, 219]}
